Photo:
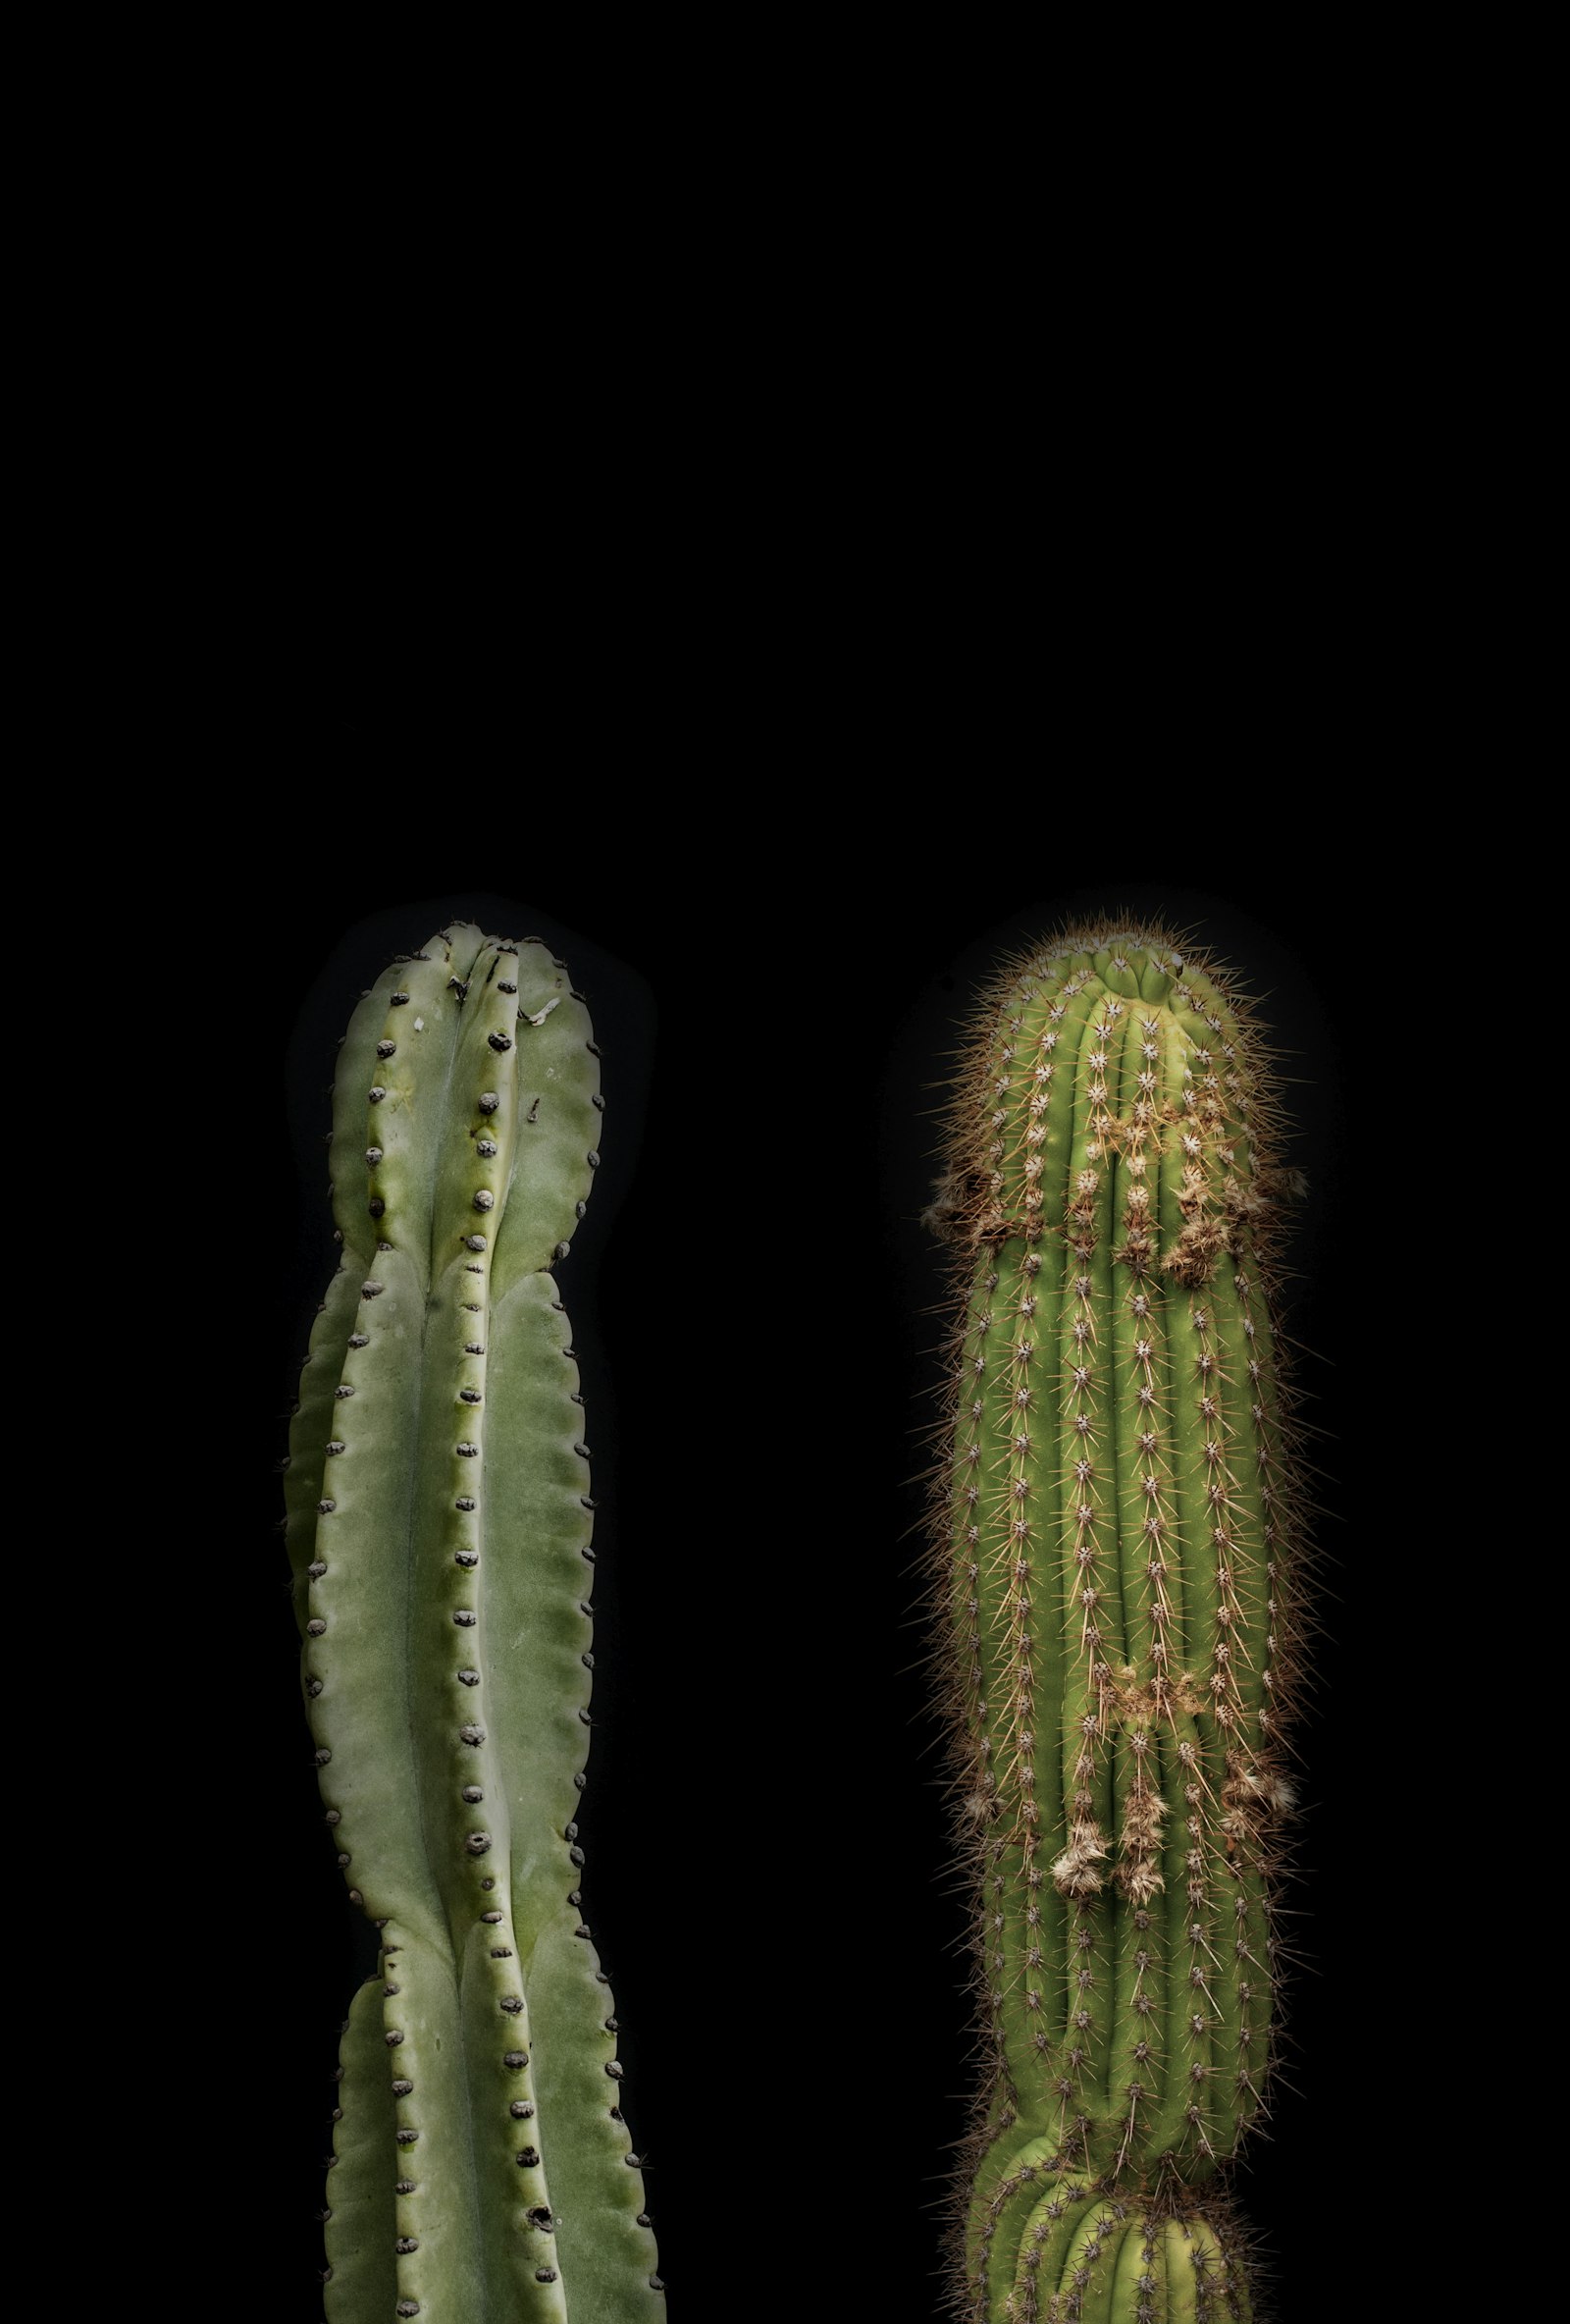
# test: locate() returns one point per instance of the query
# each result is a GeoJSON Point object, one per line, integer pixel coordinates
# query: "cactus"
{"type": "Point", "coordinates": [438, 1523]}
{"type": "Point", "coordinates": [1115, 1567]}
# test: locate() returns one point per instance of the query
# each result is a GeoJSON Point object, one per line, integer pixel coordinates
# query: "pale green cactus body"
{"type": "Point", "coordinates": [1115, 1561]}
{"type": "Point", "coordinates": [438, 1526]}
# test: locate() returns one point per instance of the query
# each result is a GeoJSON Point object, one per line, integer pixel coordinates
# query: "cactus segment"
{"type": "Point", "coordinates": [360, 2219]}
{"type": "Point", "coordinates": [1113, 1567]}
{"type": "Point", "coordinates": [1092, 2257]}
{"type": "Point", "coordinates": [438, 1515]}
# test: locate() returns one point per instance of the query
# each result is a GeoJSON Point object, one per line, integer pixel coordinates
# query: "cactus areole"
{"type": "Point", "coordinates": [1116, 1576]}
{"type": "Point", "coordinates": [438, 1526]}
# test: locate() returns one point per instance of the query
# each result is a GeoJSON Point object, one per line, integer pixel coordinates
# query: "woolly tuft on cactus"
{"type": "Point", "coordinates": [439, 1528]}
{"type": "Point", "coordinates": [1117, 1560]}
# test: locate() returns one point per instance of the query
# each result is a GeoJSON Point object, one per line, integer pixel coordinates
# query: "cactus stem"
{"type": "Point", "coordinates": [1115, 1545]}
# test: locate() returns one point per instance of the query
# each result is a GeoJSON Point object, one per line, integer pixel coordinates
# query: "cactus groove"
{"type": "Point", "coordinates": [1115, 1566]}
{"type": "Point", "coordinates": [438, 1525]}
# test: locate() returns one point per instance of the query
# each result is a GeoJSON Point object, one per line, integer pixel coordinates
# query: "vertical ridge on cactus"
{"type": "Point", "coordinates": [439, 1522]}
{"type": "Point", "coordinates": [1116, 1562]}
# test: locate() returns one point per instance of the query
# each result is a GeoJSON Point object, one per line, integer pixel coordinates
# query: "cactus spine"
{"type": "Point", "coordinates": [438, 1531]}
{"type": "Point", "coordinates": [1114, 1570]}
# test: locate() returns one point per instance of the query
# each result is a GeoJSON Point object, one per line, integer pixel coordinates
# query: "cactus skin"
{"type": "Point", "coordinates": [1115, 1566]}
{"type": "Point", "coordinates": [438, 1523]}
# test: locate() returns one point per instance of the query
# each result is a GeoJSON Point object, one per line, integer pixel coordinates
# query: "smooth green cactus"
{"type": "Point", "coordinates": [439, 1528]}
{"type": "Point", "coordinates": [1115, 1569]}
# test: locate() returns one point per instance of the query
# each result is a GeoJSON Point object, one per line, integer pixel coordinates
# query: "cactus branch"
{"type": "Point", "coordinates": [1115, 1566]}
{"type": "Point", "coordinates": [439, 1525]}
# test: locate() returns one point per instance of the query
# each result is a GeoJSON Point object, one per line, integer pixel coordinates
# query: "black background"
{"type": "Point", "coordinates": [776, 978]}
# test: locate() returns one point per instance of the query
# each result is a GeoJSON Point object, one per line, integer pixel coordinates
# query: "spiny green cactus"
{"type": "Point", "coordinates": [1111, 2258]}
{"type": "Point", "coordinates": [1115, 1565]}
{"type": "Point", "coordinates": [439, 1528]}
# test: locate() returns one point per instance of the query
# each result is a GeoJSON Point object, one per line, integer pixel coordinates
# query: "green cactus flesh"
{"type": "Point", "coordinates": [1114, 1569]}
{"type": "Point", "coordinates": [439, 1525]}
